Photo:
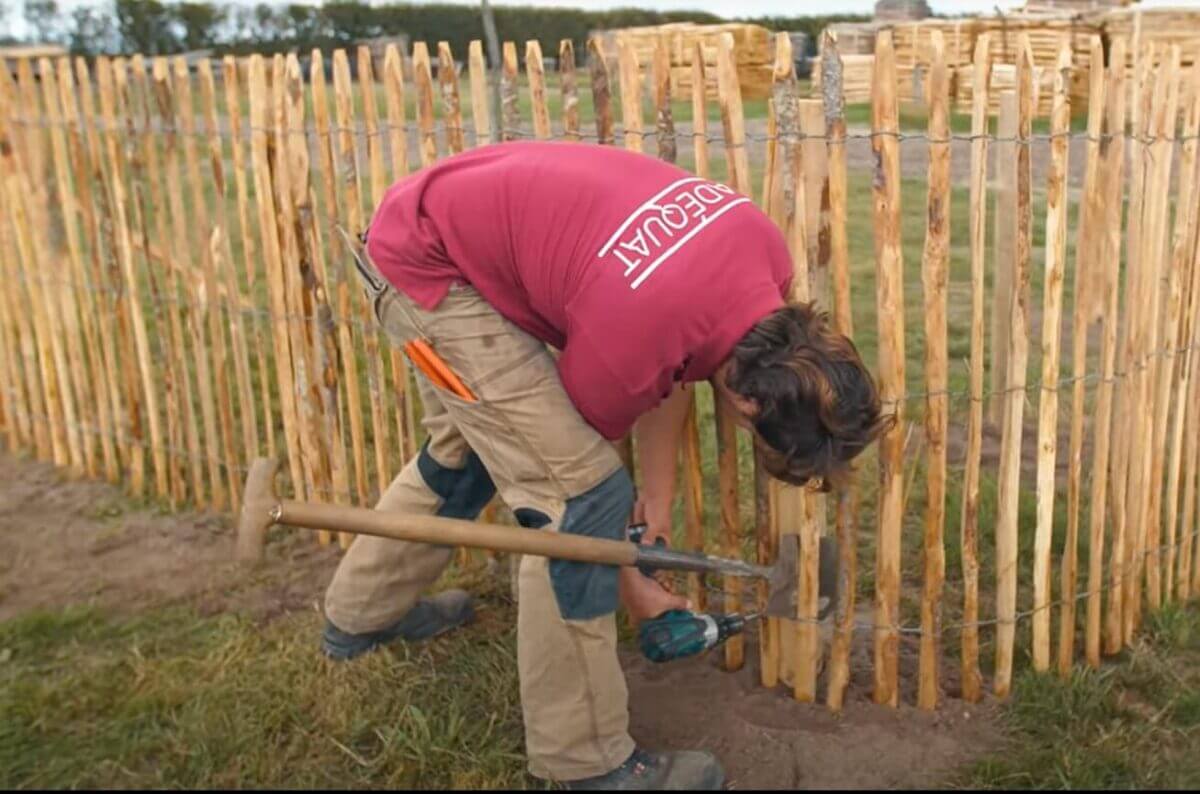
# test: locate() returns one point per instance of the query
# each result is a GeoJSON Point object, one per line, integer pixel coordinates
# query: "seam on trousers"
{"type": "Point", "coordinates": [591, 699]}
{"type": "Point", "coordinates": [530, 448]}
{"type": "Point", "coordinates": [504, 370]}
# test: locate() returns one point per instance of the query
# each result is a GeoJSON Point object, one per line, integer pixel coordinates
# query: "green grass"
{"type": "Point", "coordinates": [1131, 725]}
{"type": "Point", "coordinates": [169, 698]}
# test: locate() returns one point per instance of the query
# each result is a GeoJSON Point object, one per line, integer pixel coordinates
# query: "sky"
{"type": "Point", "coordinates": [725, 8]}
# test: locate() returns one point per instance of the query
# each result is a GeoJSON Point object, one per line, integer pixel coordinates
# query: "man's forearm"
{"type": "Point", "coordinates": [658, 434]}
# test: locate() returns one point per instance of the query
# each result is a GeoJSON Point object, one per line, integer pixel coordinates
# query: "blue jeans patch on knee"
{"type": "Point", "coordinates": [588, 590]}
{"type": "Point", "coordinates": [464, 492]}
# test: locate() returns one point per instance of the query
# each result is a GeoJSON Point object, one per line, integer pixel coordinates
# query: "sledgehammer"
{"type": "Point", "coordinates": [262, 508]}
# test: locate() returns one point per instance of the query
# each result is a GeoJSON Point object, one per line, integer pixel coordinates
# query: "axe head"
{"type": "Point", "coordinates": [785, 578]}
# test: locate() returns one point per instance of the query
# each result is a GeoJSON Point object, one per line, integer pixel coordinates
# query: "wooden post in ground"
{"type": "Point", "coordinates": [1056, 254]}
{"type": "Point", "coordinates": [664, 122]}
{"type": "Point", "coordinates": [737, 169]}
{"type": "Point", "coordinates": [481, 114]}
{"type": "Point", "coordinates": [1107, 281]}
{"type": "Point", "coordinates": [1014, 399]}
{"type": "Point", "coordinates": [46, 298]}
{"type": "Point", "coordinates": [37, 426]}
{"type": "Point", "coordinates": [1004, 237]}
{"type": "Point", "coordinates": [601, 94]}
{"type": "Point", "coordinates": [935, 268]}
{"type": "Point", "coordinates": [259, 336]}
{"type": "Point", "coordinates": [198, 410]}
{"type": "Point", "coordinates": [536, 75]}
{"type": "Point", "coordinates": [232, 303]}
{"type": "Point", "coordinates": [631, 96]}
{"type": "Point", "coordinates": [510, 123]}
{"type": "Point", "coordinates": [1088, 264]}
{"type": "Point", "coordinates": [423, 82]}
{"type": "Point", "coordinates": [843, 320]}
{"type": "Point", "coordinates": [726, 431]}
{"type": "Point", "coordinates": [1163, 114]}
{"type": "Point", "coordinates": [77, 326]}
{"type": "Point", "coordinates": [451, 104]}
{"type": "Point", "coordinates": [141, 404]}
{"type": "Point", "coordinates": [1186, 259]}
{"type": "Point", "coordinates": [336, 281]}
{"type": "Point", "coordinates": [1164, 333]}
{"type": "Point", "coordinates": [889, 297]}
{"type": "Point", "coordinates": [1129, 368]}
{"type": "Point", "coordinates": [570, 93]}
{"type": "Point", "coordinates": [972, 683]}
{"type": "Point", "coordinates": [260, 111]}
{"type": "Point", "coordinates": [220, 447]}
{"type": "Point", "coordinates": [693, 477]}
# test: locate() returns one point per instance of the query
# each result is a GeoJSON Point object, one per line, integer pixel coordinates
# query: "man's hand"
{"type": "Point", "coordinates": [645, 598]}
{"type": "Point", "coordinates": [656, 515]}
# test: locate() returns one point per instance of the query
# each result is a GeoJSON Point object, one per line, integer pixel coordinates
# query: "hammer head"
{"type": "Point", "coordinates": [785, 578]}
{"type": "Point", "coordinates": [258, 503]}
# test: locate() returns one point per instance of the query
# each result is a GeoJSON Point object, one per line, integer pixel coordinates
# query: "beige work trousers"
{"type": "Point", "coordinates": [540, 453]}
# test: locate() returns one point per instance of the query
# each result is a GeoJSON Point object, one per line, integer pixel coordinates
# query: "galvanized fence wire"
{"type": "Point", "coordinates": [1127, 568]}
{"type": "Point", "coordinates": [1139, 363]}
{"type": "Point", "coordinates": [412, 129]}
{"type": "Point", "coordinates": [750, 602]}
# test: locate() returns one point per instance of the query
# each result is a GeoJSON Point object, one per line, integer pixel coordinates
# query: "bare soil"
{"type": "Point", "coordinates": [68, 541]}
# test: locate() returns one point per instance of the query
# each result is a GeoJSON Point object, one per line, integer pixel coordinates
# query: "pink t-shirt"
{"type": "Point", "coordinates": [641, 273]}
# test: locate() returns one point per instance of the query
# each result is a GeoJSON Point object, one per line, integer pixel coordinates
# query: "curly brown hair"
{"type": "Point", "coordinates": [818, 406]}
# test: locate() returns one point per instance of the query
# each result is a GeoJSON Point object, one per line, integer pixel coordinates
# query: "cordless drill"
{"type": "Point", "coordinates": [680, 633]}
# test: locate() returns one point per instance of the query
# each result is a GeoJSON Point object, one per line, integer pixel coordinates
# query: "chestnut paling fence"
{"type": "Point", "coordinates": [177, 301]}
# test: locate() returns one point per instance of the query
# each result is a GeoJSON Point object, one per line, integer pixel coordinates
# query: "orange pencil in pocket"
{"type": "Point", "coordinates": [439, 373]}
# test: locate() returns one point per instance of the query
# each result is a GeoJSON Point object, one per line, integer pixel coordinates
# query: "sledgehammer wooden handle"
{"type": "Point", "coordinates": [454, 532]}
{"type": "Point", "coordinates": [261, 508]}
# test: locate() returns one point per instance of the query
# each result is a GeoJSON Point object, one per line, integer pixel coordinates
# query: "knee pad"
{"type": "Point", "coordinates": [464, 492]}
{"type": "Point", "coordinates": [587, 590]}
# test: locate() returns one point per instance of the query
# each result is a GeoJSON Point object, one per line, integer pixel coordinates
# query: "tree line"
{"type": "Point", "coordinates": [153, 27]}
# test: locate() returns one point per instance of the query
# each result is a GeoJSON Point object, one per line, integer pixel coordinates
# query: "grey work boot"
{"type": "Point", "coordinates": [429, 617]}
{"type": "Point", "coordinates": [643, 771]}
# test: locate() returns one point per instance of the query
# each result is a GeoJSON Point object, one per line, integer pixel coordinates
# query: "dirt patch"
{"type": "Point", "coordinates": [70, 541]}
{"type": "Point", "coordinates": [767, 740]}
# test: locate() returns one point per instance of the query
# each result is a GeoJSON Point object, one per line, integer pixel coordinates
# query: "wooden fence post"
{"type": "Point", "coordinates": [131, 323]}
{"type": "Point", "coordinates": [631, 96]}
{"type": "Point", "coordinates": [1107, 282]}
{"type": "Point", "coordinates": [935, 268]}
{"type": "Point", "coordinates": [843, 321]}
{"type": "Point", "coordinates": [980, 78]}
{"type": "Point", "coordinates": [1163, 114]}
{"type": "Point", "coordinates": [220, 444]}
{"type": "Point", "coordinates": [481, 114]}
{"type": "Point", "coordinates": [1165, 332]}
{"type": "Point", "coordinates": [535, 73]}
{"type": "Point", "coordinates": [1088, 239]}
{"type": "Point", "coordinates": [78, 331]}
{"type": "Point", "coordinates": [1185, 258]}
{"type": "Point", "coordinates": [451, 106]}
{"type": "Point", "coordinates": [601, 96]}
{"type": "Point", "coordinates": [889, 296]}
{"type": "Point", "coordinates": [232, 300]}
{"type": "Point", "coordinates": [233, 114]}
{"type": "Point", "coordinates": [1004, 237]}
{"type": "Point", "coordinates": [570, 94]}
{"type": "Point", "coordinates": [1056, 252]}
{"type": "Point", "coordinates": [510, 124]}
{"type": "Point", "coordinates": [1014, 399]}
